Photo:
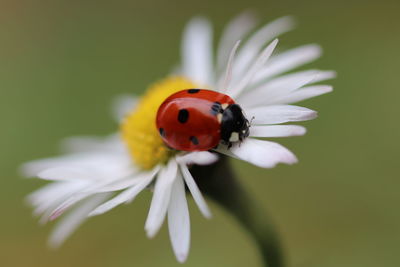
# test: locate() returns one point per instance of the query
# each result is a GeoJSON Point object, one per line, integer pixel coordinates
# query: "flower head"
{"type": "Point", "coordinates": [98, 174]}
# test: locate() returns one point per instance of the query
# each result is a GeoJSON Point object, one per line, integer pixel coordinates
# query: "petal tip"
{"type": "Point", "coordinates": [150, 233]}
{"type": "Point", "coordinates": [53, 244]}
{"type": "Point", "coordinates": [207, 214]}
{"type": "Point", "coordinates": [299, 131]}
{"type": "Point", "coordinates": [199, 21]}
{"type": "Point", "coordinates": [25, 170]}
{"type": "Point", "coordinates": [93, 213]}
{"type": "Point", "coordinates": [329, 88]}
{"type": "Point", "coordinates": [181, 257]}
{"type": "Point", "coordinates": [56, 214]}
{"type": "Point", "coordinates": [292, 160]}
{"type": "Point", "coordinates": [312, 115]}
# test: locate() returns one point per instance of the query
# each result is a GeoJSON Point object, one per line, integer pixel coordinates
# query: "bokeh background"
{"type": "Point", "coordinates": [62, 62]}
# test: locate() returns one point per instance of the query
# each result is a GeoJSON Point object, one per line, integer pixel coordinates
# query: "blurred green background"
{"type": "Point", "coordinates": [62, 62]}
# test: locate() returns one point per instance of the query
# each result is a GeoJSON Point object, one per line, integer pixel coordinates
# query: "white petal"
{"type": "Point", "coordinates": [122, 182]}
{"type": "Point", "coordinates": [32, 168]}
{"type": "Point", "coordinates": [161, 198]}
{"type": "Point", "coordinates": [289, 60]}
{"type": "Point", "coordinates": [244, 81]}
{"type": "Point", "coordinates": [101, 163]}
{"type": "Point", "coordinates": [126, 196]}
{"type": "Point", "coordinates": [267, 92]}
{"type": "Point", "coordinates": [178, 221]}
{"type": "Point", "coordinates": [86, 144]}
{"type": "Point", "coordinates": [316, 75]}
{"type": "Point", "coordinates": [55, 202]}
{"type": "Point", "coordinates": [122, 105]}
{"type": "Point", "coordinates": [197, 51]}
{"type": "Point", "coordinates": [67, 204]}
{"type": "Point", "coordinates": [303, 94]}
{"type": "Point", "coordinates": [236, 30]}
{"type": "Point", "coordinates": [252, 47]}
{"type": "Point", "coordinates": [324, 75]}
{"type": "Point", "coordinates": [46, 199]}
{"type": "Point", "coordinates": [225, 80]}
{"type": "Point", "coordinates": [276, 130]}
{"type": "Point", "coordinates": [115, 185]}
{"type": "Point", "coordinates": [279, 114]}
{"type": "Point", "coordinates": [198, 158]}
{"type": "Point", "coordinates": [46, 193]}
{"type": "Point", "coordinates": [195, 191]}
{"type": "Point", "coordinates": [73, 220]}
{"type": "Point", "coordinates": [66, 174]}
{"type": "Point", "coordinates": [264, 154]}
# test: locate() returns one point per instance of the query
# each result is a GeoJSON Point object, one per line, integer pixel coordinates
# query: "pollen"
{"type": "Point", "coordinates": [139, 127]}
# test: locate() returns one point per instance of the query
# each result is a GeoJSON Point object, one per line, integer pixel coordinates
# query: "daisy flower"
{"type": "Point", "coordinates": [97, 174]}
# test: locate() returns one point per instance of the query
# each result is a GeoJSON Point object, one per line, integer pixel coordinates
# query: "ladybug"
{"type": "Point", "coordinates": [199, 120]}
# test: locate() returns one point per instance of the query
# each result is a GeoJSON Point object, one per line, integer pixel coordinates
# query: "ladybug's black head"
{"type": "Point", "coordinates": [234, 125]}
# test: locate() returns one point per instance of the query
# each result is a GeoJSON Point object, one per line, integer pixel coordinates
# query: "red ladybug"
{"type": "Point", "coordinates": [199, 119]}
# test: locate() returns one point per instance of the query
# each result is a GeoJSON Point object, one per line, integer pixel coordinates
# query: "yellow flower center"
{"type": "Point", "coordinates": [139, 127]}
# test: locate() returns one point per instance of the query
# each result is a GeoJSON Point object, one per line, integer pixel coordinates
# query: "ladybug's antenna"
{"type": "Point", "coordinates": [223, 84]}
{"type": "Point", "coordinates": [252, 118]}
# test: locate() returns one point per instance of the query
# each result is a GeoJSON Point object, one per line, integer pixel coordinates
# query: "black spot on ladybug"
{"type": "Point", "coordinates": [194, 140]}
{"type": "Point", "coordinates": [162, 132]}
{"type": "Point", "coordinates": [216, 108]}
{"type": "Point", "coordinates": [183, 115]}
{"type": "Point", "coordinates": [193, 91]}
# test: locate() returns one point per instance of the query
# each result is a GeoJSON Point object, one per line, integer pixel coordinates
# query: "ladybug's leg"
{"type": "Point", "coordinates": [216, 108]}
{"type": "Point", "coordinates": [214, 148]}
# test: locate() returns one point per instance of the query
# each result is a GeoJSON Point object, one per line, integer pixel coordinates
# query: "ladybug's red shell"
{"type": "Point", "coordinates": [190, 120]}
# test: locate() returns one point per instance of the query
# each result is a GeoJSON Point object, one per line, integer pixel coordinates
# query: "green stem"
{"type": "Point", "coordinates": [219, 182]}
